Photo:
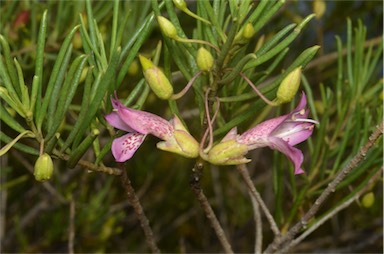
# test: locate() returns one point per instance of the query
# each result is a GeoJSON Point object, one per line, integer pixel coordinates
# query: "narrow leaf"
{"type": "Point", "coordinates": [8, 146]}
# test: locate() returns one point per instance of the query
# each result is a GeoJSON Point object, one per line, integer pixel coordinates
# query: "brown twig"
{"type": "Point", "coordinates": [280, 241]}
{"type": "Point", "coordinates": [204, 203]}
{"type": "Point", "coordinates": [256, 210]}
{"type": "Point", "coordinates": [334, 211]}
{"type": "Point", "coordinates": [71, 233]}
{"type": "Point", "coordinates": [90, 166]}
{"type": "Point", "coordinates": [134, 201]}
{"type": "Point", "coordinates": [244, 173]}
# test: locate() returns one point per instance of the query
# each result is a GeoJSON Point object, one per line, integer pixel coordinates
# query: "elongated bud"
{"type": "Point", "coordinates": [167, 27]}
{"type": "Point", "coordinates": [180, 4]}
{"type": "Point", "coordinates": [43, 168]}
{"type": "Point", "coordinates": [228, 152]}
{"type": "Point", "coordinates": [245, 34]}
{"type": "Point", "coordinates": [289, 86]}
{"type": "Point", "coordinates": [204, 59]}
{"type": "Point", "coordinates": [156, 79]}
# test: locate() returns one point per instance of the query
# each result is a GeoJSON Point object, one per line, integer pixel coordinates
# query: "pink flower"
{"type": "Point", "coordinates": [280, 133]}
{"type": "Point", "coordinates": [139, 124]}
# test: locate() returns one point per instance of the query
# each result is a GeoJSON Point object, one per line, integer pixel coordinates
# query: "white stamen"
{"type": "Point", "coordinates": [306, 120]}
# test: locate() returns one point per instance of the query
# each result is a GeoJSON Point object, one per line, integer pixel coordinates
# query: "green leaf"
{"type": "Point", "coordinates": [281, 46]}
{"type": "Point", "coordinates": [137, 40]}
{"type": "Point", "coordinates": [114, 26]}
{"type": "Point", "coordinates": [8, 146]}
{"type": "Point", "coordinates": [79, 151]}
{"type": "Point", "coordinates": [10, 68]}
{"type": "Point", "coordinates": [9, 120]}
{"type": "Point", "coordinates": [105, 82]}
{"type": "Point", "coordinates": [24, 89]}
{"type": "Point", "coordinates": [16, 105]}
{"type": "Point", "coordinates": [40, 62]}
{"type": "Point", "coordinates": [67, 92]}
{"type": "Point", "coordinates": [21, 147]}
{"type": "Point", "coordinates": [7, 81]}
{"type": "Point", "coordinates": [57, 84]}
{"type": "Point", "coordinates": [83, 111]}
{"type": "Point", "coordinates": [57, 76]}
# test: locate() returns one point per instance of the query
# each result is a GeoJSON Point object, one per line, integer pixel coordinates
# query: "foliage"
{"type": "Point", "coordinates": [62, 60]}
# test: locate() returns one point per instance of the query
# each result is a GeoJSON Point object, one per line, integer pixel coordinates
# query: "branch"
{"type": "Point", "coordinates": [244, 173]}
{"type": "Point", "coordinates": [337, 209]}
{"type": "Point", "coordinates": [71, 233]}
{"type": "Point", "coordinates": [134, 201]}
{"type": "Point", "coordinates": [278, 242]}
{"type": "Point", "coordinates": [256, 210]}
{"type": "Point", "coordinates": [209, 213]}
{"type": "Point", "coordinates": [90, 166]}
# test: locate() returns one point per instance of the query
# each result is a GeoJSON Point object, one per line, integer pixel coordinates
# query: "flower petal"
{"type": "Point", "coordinates": [294, 155]}
{"type": "Point", "coordinates": [232, 134]}
{"type": "Point", "coordinates": [261, 131]}
{"type": "Point", "coordinates": [145, 122]}
{"type": "Point", "coordinates": [115, 120]}
{"type": "Point", "coordinates": [294, 133]}
{"type": "Point", "coordinates": [302, 103]}
{"type": "Point", "coordinates": [125, 146]}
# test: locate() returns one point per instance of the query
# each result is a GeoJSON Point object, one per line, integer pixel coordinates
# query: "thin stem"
{"type": "Point", "coordinates": [210, 122]}
{"type": "Point", "coordinates": [256, 212]}
{"type": "Point", "coordinates": [186, 88]}
{"type": "Point", "coordinates": [271, 103]}
{"type": "Point", "coordinates": [332, 213]}
{"type": "Point", "coordinates": [248, 181]}
{"type": "Point", "coordinates": [71, 233]}
{"type": "Point", "coordinates": [258, 224]}
{"type": "Point", "coordinates": [134, 201]}
{"type": "Point", "coordinates": [90, 166]}
{"type": "Point", "coordinates": [209, 213]}
{"type": "Point", "coordinates": [193, 15]}
{"type": "Point", "coordinates": [179, 39]}
{"type": "Point", "coordinates": [278, 242]}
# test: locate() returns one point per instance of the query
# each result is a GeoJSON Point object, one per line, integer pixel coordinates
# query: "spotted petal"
{"type": "Point", "coordinates": [145, 122]}
{"type": "Point", "coordinates": [125, 146]}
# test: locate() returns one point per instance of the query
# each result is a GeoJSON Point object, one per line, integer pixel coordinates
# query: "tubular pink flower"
{"type": "Point", "coordinates": [280, 133]}
{"type": "Point", "coordinates": [138, 124]}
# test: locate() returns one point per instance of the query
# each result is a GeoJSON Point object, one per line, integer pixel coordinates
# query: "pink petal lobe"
{"type": "Point", "coordinates": [125, 146]}
{"type": "Point", "coordinates": [302, 103]}
{"type": "Point", "coordinates": [114, 120]}
{"type": "Point", "coordinates": [294, 155]}
{"type": "Point", "coordinates": [296, 133]}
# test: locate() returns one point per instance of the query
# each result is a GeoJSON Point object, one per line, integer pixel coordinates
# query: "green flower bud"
{"type": "Point", "coordinates": [167, 27]}
{"type": "Point", "coordinates": [228, 152]}
{"type": "Point", "coordinates": [319, 7]}
{"type": "Point", "coordinates": [245, 34]}
{"type": "Point", "coordinates": [181, 142]}
{"type": "Point", "coordinates": [204, 59]}
{"type": "Point", "coordinates": [289, 86]}
{"type": "Point", "coordinates": [248, 31]}
{"type": "Point", "coordinates": [368, 199]}
{"type": "Point", "coordinates": [43, 168]}
{"type": "Point", "coordinates": [180, 4]}
{"type": "Point", "coordinates": [156, 79]}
